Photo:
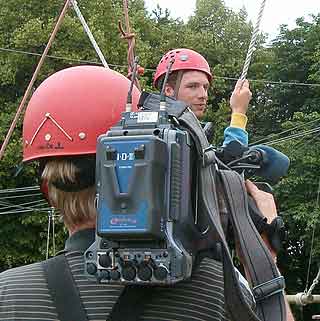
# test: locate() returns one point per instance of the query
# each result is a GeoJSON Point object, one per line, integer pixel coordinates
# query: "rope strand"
{"type": "Point", "coordinates": [253, 42]}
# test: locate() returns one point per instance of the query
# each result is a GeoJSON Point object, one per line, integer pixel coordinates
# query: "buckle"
{"type": "Point", "coordinates": [208, 156]}
{"type": "Point", "coordinates": [269, 288]}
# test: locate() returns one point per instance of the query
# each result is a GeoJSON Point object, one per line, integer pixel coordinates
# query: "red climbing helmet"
{"type": "Point", "coordinates": [185, 59]}
{"type": "Point", "coordinates": [71, 109]}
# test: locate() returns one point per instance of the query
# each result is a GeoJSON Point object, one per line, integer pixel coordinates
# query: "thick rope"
{"type": "Point", "coordinates": [89, 33]}
{"type": "Point", "coordinates": [130, 37]}
{"type": "Point", "coordinates": [253, 42]}
{"type": "Point", "coordinates": [33, 79]}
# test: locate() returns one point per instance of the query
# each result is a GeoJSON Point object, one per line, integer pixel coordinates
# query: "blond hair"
{"type": "Point", "coordinates": [77, 208]}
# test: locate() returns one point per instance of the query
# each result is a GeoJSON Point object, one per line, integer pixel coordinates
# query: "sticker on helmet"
{"type": "Point", "coordinates": [51, 146]}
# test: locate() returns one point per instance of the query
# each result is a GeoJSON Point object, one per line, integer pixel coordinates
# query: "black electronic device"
{"type": "Point", "coordinates": [146, 226]}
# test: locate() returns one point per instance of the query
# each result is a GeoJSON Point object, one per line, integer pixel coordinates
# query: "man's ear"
{"type": "Point", "coordinates": [169, 91]}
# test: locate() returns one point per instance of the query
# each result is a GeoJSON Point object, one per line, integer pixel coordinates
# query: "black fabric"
{"type": "Point", "coordinates": [63, 290]}
{"type": "Point", "coordinates": [130, 304]}
{"type": "Point", "coordinates": [258, 219]}
{"type": "Point", "coordinates": [80, 241]}
{"type": "Point", "coordinates": [60, 281]}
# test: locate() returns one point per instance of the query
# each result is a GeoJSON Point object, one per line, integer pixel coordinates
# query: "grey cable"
{"type": "Point", "coordinates": [20, 189]}
{"type": "Point", "coordinates": [280, 83]}
{"type": "Point", "coordinates": [253, 42]}
{"type": "Point", "coordinates": [89, 33]}
{"type": "Point", "coordinates": [285, 131]}
{"type": "Point", "coordinates": [316, 280]}
{"type": "Point", "coordinates": [280, 140]}
{"type": "Point", "coordinates": [48, 234]}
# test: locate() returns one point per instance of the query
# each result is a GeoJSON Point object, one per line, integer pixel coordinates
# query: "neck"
{"type": "Point", "coordinates": [84, 226]}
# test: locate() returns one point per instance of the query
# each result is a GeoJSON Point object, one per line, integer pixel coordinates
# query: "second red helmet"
{"type": "Point", "coordinates": [185, 59]}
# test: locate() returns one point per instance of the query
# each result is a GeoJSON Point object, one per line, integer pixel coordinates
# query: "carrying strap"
{"type": "Point", "coordinates": [130, 304]}
{"type": "Point", "coordinates": [63, 290]}
{"type": "Point", "coordinates": [267, 282]}
{"type": "Point", "coordinates": [208, 206]}
{"type": "Point", "coordinates": [66, 298]}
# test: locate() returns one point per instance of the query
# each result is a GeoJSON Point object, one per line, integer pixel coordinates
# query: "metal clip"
{"type": "Point", "coordinates": [208, 156]}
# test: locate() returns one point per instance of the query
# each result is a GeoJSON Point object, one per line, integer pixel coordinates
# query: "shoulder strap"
{"type": "Point", "coordinates": [208, 200]}
{"type": "Point", "coordinates": [130, 304]}
{"type": "Point", "coordinates": [65, 294]}
{"type": "Point", "coordinates": [267, 282]}
{"type": "Point", "coordinates": [63, 290]}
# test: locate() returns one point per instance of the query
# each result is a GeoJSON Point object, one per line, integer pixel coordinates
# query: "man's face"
{"type": "Point", "coordinates": [193, 91]}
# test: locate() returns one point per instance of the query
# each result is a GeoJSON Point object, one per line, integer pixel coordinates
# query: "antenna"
{"type": "Point", "coordinates": [162, 95]}
{"type": "Point", "coordinates": [133, 78]}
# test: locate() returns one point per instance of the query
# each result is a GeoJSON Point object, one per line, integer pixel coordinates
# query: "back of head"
{"type": "Point", "coordinates": [184, 59]}
{"type": "Point", "coordinates": [63, 120]}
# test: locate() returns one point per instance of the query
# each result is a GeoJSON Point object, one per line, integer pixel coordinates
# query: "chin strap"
{"type": "Point", "coordinates": [178, 83]}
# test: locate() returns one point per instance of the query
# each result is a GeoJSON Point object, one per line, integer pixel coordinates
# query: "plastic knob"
{"type": "Point", "coordinates": [91, 268]}
{"type": "Point", "coordinates": [114, 275]}
{"type": "Point", "coordinates": [160, 273]}
{"type": "Point", "coordinates": [144, 272]}
{"type": "Point", "coordinates": [128, 272]}
{"type": "Point", "coordinates": [104, 275]}
{"type": "Point", "coordinates": [105, 260]}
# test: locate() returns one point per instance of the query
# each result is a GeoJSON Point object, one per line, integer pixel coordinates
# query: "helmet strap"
{"type": "Point", "coordinates": [178, 83]}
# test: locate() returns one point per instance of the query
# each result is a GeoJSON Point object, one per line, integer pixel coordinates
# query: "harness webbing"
{"type": "Point", "coordinates": [269, 288]}
{"type": "Point", "coordinates": [64, 293]}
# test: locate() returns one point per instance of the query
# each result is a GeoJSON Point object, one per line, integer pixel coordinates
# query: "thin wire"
{"type": "Point", "coordinates": [280, 83]}
{"type": "Point", "coordinates": [312, 244]}
{"type": "Point", "coordinates": [289, 83]}
{"type": "Point", "coordinates": [280, 140]}
{"type": "Point", "coordinates": [23, 205]}
{"type": "Point", "coordinates": [284, 132]}
{"type": "Point", "coordinates": [20, 189]}
{"type": "Point", "coordinates": [26, 211]}
{"type": "Point", "coordinates": [303, 143]}
{"type": "Point", "coordinates": [48, 233]}
{"type": "Point", "coordinates": [53, 231]}
{"type": "Point", "coordinates": [19, 196]}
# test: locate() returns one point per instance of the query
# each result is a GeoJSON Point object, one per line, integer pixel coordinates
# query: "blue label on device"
{"type": "Point", "coordinates": [109, 222]}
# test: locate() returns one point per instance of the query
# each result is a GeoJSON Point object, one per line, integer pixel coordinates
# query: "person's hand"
{"type": "Point", "coordinates": [267, 206]}
{"type": "Point", "coordinates": [240, 97]}
{"type": "Point", "coordinates": [264, 201]}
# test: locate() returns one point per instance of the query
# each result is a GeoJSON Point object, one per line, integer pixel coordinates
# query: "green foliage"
{"type": "Point", "coordinates": [223, 37]}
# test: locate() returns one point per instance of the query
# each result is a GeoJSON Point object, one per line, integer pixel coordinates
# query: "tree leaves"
{"type": "Point", "coordinates": [223, 37]}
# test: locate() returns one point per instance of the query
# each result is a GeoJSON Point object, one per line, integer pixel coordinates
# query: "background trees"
{"type": "Point", "coordinates": [222, 36]}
